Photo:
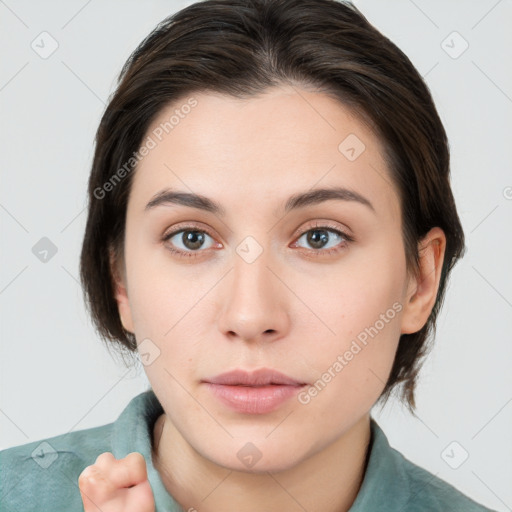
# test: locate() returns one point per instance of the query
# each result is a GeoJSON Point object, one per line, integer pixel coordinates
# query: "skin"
{"type": "Point", "coordinates": [111, 485]}
{"type": "Point", "coordinates": [295, 308]}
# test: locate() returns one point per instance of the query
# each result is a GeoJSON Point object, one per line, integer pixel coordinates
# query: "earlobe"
{"type": "Point", "coordinates": [422, 290]}
{"type": "Point", "coordinates": [120, 293]}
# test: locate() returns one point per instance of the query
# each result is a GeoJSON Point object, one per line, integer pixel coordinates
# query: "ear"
{"type": "Point", "coordinates": [422, 289]}
{"type": "Point", "coordinates": [120, 291]}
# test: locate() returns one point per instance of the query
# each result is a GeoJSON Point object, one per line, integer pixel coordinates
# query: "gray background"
{"type": "Point", "coordinates": [56, 376]}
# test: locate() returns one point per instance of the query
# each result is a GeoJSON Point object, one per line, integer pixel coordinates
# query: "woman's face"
{"type": "Point", "coordinates": [267, 281]}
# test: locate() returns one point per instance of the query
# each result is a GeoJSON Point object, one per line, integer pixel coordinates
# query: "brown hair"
{"type": "Point", "coordinates": [241, 48]}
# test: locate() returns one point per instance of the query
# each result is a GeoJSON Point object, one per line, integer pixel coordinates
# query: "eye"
{"type": "Point", "coordinates": [188, 241]}
{"type": "Point", "coordinates": [325, 239]}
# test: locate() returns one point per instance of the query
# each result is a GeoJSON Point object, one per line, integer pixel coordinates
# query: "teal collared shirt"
{"type": "Point", "coordinates": [43, 475]}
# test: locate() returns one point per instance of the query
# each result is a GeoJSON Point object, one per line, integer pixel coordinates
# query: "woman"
{"type": "Point", "coordinates": [271, 227]}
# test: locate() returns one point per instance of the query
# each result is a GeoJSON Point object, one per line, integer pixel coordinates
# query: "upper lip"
{"type": "Point", "coordinates": [261, 377]}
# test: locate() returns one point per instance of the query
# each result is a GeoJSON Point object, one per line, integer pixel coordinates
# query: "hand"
{"type": "Point", "coordinates": [111, 485]}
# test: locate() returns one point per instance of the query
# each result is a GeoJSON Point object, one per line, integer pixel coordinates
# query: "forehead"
{"type": "Point", "coordinates": [271, 146]}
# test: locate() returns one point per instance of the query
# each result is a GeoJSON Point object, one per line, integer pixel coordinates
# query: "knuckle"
{"type": "Point", "coordinates": [85, 476]}
{"type": "Point", "coordinates": [82, 478]}
{"type": "Point", "coordinates": [136, 458]}
{"type": "Point", "coordinates": [105, 458]}
{"type": "Point", "coordinates": [135, 464]}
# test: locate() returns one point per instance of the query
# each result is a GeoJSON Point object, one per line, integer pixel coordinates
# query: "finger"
{"type": "Point", "coordinates": [129, 471]}
{"type": "Point", "coordinates": [105, 460]}
{"type": "Point", "coordinates": [94, 489]}
{"type": "Point", "coordinates": [140, 499]}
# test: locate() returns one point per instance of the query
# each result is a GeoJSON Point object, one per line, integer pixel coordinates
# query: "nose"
{"type": "Point", "coordinates": [254, 302]}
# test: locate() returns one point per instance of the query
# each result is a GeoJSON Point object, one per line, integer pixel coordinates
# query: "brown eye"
{"type": "Point", "coordinates": [323, 240]}
{"type": "Point", "coordinates": [188, 241]}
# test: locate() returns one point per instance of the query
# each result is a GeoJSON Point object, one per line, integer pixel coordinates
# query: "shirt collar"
{"type": "Point", "coordinates": [381, 489]}
{"type": "Point", "coordinates": [132, 432]}
{"type": "Point", "coordinates": [385, 478]}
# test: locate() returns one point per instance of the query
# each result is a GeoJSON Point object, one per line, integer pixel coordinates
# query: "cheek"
{"type": "Point", "coordinates": [160, 293]}
{"type": "Point", "coordinates": [352, 367]}
{"type": "Point", "coordinates": [360, 310]}
{"type": "Point", "coordinates": [350, 302]}
{"type": "Point", "coordinates": [166, 305]}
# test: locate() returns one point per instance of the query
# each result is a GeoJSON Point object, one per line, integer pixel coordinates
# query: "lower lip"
{"type": "Point", "coordinates": [254, 400]}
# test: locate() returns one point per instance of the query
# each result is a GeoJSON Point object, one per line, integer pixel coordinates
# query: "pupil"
{"type": "Point", "coordinates": [317, 241]}
{"type": "Point", "coordinates": [193, 239]}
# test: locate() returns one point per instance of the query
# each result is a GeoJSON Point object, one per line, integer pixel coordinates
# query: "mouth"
{"type": "Point", "coordinates": [261, 377]}
{"type": "Point", "coordinates": [258, 392]}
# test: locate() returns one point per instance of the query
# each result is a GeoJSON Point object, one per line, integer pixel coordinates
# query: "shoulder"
{"type": "Point", "coordinates": [43, 475]}
{"type": "Point", "coordinates": [392, 482]}
{"type": "Point", "coordinates": [428, 492]}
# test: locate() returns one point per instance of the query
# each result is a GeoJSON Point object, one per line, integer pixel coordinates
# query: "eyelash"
{"type": "Point", "coordinates": [318, 227]}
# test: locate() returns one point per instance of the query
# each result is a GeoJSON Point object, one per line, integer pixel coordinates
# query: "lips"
{"type": "Point", "coordinates": [258, 392]}
{"type": "Point", "coordinates": [261, 377]}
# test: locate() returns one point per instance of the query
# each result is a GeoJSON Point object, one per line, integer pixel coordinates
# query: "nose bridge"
{"type": "Point", "coordinates": [250, 273]}
{"type": "Point", "coordinates": [254, 301]}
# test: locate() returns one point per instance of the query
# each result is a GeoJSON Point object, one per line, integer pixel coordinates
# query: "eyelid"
{"type": "Point", "coordinates": [186, 226]}
{"type": "Point", "coordinates": [325, 224]}
{"type": "Point", "coordinates": [180, 253]}
{"type": "Point", "coordinates": [319, 224]}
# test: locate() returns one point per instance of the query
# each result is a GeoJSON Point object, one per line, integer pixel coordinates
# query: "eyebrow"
{"type": "Point", "coordinates": [311, 197]}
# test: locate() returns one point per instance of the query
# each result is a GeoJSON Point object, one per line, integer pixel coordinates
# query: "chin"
{"type": "Point", "coordinates": [249, 458]}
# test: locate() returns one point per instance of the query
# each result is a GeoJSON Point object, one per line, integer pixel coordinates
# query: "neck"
{"type": "Point", "coordinates": [328, 480]}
